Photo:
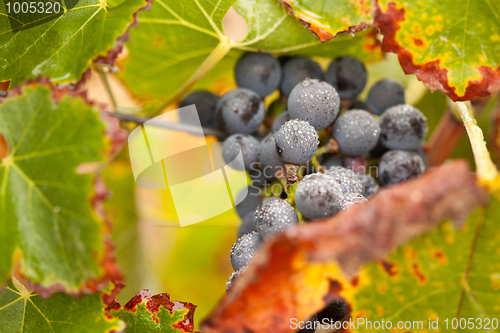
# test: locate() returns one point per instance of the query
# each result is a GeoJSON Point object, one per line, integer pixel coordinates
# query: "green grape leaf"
{"type": "Point", "coordinates": [51, 228]}
{"type": "Point", "coordinates": [61, 45]}
{"type": "Point", "coordinates": [450, 45]}
{"type": "Point", "coordinates": [24, 311]}
{"type": "Point", "coordinates": [177, 43]}
{"type": "Point", "coordinates": [145, 313]}
{"type": "Point", "coordinates": [298, 272]}
{"type": "Point", "coordinates": [327, 19]}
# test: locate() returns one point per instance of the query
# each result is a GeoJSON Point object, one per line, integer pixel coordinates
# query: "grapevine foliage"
{"type": "Point", "coordinates": [55, 240]}
{"type": "Point", "coordinates": [61, 45]}
{"type": "Point", "coordinates": [47, 210]}
{"type": "Point", "coordinates": [186, 39]}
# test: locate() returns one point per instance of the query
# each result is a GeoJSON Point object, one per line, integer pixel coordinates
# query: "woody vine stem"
{"type": "Point", "coordinates": [486, 170]}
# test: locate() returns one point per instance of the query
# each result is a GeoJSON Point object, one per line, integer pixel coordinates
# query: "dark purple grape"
{"type": "Point", "coordinates": [245, 144]}
{"type": "Point", "coordinates": [314, 101]}
{"type": "Point", "coordinates": [296, 70]}
{"type": "Point", "coordinates": [348, 76]}
{"type": "Point", "coordinates": [403, 127]}
{"type": "Point", "coordinates": [244, 250]}
{"type": "Point", "coordinates": [384, 94]}
{"type": "Point", "coordinates": [206, 104]}
{"type": "Point", "coordinates": [274, 217]}
{"type": "Point", "coordinates": [318, 196]}
{"type": "Point", "coordinates": [396, 166]}
{"type": "Point", "coordinates": [260, 72]}
{"type": "Point", "coordinates": [240, 111]}
{"type": "Point", "coordinates": [296, 142]}
{"type": "Point", "coordinates": [356, 132]}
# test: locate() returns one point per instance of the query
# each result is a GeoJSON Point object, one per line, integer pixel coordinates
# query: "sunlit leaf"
{"type": "Point", "coordinates": [177, 43]}
{"type": "Point", "coordinates": [60, 44]}
{"type": "Point", "coordinates": [25, 311]}
{"type": "Point", "coordinates": [49, 223]}
{"type": "Point", "coordinates": [328, 18]}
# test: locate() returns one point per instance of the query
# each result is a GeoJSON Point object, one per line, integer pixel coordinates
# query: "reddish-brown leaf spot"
{"type": "Point", "coordinates": [112, 54]}
{"type": "Point", "coordinates": [337, 17]}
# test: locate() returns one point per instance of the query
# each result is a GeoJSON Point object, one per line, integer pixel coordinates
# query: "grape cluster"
{"type": "Point", "coordinates": [317, 150]}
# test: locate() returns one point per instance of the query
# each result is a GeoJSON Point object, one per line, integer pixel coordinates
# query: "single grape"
{"type": "Point", "coordinates": [244, 143]}
{"type": "Point", "coordinates": [318, 196]}
{"type": "Point", "coordinates": [310, 325]}
{"type": "Point", "coordinates": [268, 156]}
{"type": "Point", "coordinates": [348, 180]}
{"type": "Point", "coordinates": [348, 76]}
{"type": "Point", "coordinates": [250, 202]}
{"type": "Point", "coordinates": [232, 279]}
{"type": "Point", "coordinates": [244, 250]}
{"type": "Point", "coordinates": [396, 166]}
{"type": "Point", "coordinates": [335, 311]}
{"type": "Point", "coordinates": [356, 132]}
{"type": "Point", "coordinates": [371, 186]}
{"type": "Point", "coordinates": [280, 120]}
{"type": "Point", "coordinates": [205, 103]}
{"type": "Point", "coordinates": [260, 72]}
{"type": "Point", "coordinates": [351, 199]}
{"type": "Point", "coordinates": [314, 101]}
{"type": "Point", "coordinates": [274, 217]}
{"type": "Point", "coordinates": [240, 111]}
{"type": "Point", "coordinates": [247, 225]}
{"type": "Point", "coordinates": [403, 127]}
{"type": "Point", "coordinates": [384, 94]}
{"type": "Point", "coordinates": [262, 204]}
{"type": "Point", "coordinates": [296, 142]}
{"type": "Point", "coordinates": [296, 70]}
{"type": "Point", "coordinates": [259, 177]}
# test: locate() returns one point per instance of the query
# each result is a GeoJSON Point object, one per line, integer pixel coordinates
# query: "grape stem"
{"type": "Point", "coordinates": [168, 125]}
{"type": "Point", "coordinates": [103, 74]}
{"type": "Point", "coordinates": [329, 148]}
{"type": "Point", "coordinates": [316, 164]}
{"type": "Point", "coordinates": [485, 168]}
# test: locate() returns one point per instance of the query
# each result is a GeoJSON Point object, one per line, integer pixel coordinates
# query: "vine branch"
{"type": "Point", "coordinates": [168, 125]}
{"type": "Point", "coordinates": [103, 74]}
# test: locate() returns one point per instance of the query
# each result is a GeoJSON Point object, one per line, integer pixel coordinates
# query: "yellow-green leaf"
{"type": "Point", "coordinates": [49, 227]}
{"type": "Point", "coordinates": [444, 274]}
{"type": "Point", "coordinates": [177, 43]}
{"type": "Point", "coordinates": [328, 18]}
{"type": "Point", "coordinates": [450, 45]}
{"type": "Point", "coordinates": [24, 311]}
{"type": "Point", "coordinates": [61, 41]}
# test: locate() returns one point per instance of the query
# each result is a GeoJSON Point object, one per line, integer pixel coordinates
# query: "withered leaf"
{"type": "Point", "coordinates": [301, 270]}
